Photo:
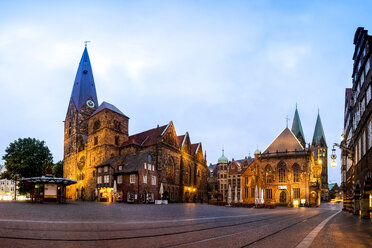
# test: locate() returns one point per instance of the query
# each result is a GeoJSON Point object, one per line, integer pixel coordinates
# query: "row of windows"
{"type": "Point", "coordinates": [7, 189]}
{"type": "Point", "coordinates": [6, 182]}
{"type": "Point", "coordinates": [364, 142]}
{"type": "Point", "coordinates": [106, 179]}
{"type": "Point", "coordinates": [269, 193]}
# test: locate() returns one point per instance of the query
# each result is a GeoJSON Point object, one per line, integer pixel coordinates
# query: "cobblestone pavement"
{"type": "Point", "coordinates": [89, 224]}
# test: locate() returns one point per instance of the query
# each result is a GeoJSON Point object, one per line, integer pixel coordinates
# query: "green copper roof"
{"type": "Point", "coordinates": [223, 159]}
{"type": "Point", "coordinates": [319, 137]}
{"type": "Point", "coordinates": [297, 128]}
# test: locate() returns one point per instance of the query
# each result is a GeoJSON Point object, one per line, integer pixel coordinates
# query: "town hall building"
{"type": "Point", "coordinates": [108, 163]}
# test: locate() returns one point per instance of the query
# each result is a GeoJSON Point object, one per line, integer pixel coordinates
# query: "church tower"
{"type": "Point", "coordinates": [297, 129]}
{"type": "Point", "coordinates": [320, 148]}
{"type": "Point", "coordinates": [83, 103]}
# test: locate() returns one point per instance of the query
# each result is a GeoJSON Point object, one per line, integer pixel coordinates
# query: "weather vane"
{"type": "Point", "coordinates": [86, 42]}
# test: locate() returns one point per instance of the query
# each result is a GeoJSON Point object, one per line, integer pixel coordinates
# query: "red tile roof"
{"type": "Point", "coordinates": [180, 139]}
{"type": "Point", "coordinates": [194, 147]}
{"type": "Point", "coordinates": [146, 138]}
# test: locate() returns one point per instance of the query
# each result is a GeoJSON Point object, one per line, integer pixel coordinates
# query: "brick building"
{"type": "Point", "coordinates": [356, 153]}
{"type": "Point", "coordinates": [97, 144]}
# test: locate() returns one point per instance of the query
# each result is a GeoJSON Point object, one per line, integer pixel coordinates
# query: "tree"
{"type": "Point", "coordinates": [27, 157]}
{"type": "Point", "coordinates": [58, 169]}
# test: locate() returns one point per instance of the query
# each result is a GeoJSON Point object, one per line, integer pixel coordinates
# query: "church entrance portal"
{"type": "Point", "coordinates": [283, 197]}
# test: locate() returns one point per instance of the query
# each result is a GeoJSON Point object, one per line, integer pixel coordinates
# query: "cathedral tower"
{"type": "Point", "coordinates": [320, 148]}
{"type": "Point", "coordinates": [83, 103]}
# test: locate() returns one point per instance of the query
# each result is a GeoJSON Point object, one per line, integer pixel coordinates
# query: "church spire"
{"type": "Point", "coordinates": [297, 128]}
{"type": "Point", "coordinates": [319, 137]}
{"type": "Point", "coordinates": [84, 88]}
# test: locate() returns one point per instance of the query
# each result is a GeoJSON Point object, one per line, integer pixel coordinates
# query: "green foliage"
{"type": "Point", "coordinates": [27, 157]}
{"type": "Point", "coordinates": [58, 169]}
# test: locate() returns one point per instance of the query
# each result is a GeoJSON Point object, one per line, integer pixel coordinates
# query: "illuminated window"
{"type": "Point", "coordinates": [144, 166]}
{"type": "Point", "coordinates": [99, 180]}
{"type": "Point", "coordinates": [268, 172]}
{"type": "Point", "coordinates": [153, 180]}
{"type": "Point", "coordinates": [105, 169]}
{"type": "Point", "coordinates": [281, 168]}
{"type": "Point", "coordinates": [132, 178]}
{"type": "Point", "coordinates": [295, 173]}
{"type": "Point", "coordinates": [106, 179]}
{"type": "Point", "coordinates": [269, 193]}
{"type": "Point", "coordinates": [145, 179]}
{"type": "Point", "coordinates": [100, 170]}
{"type": "Point", "coordinates": [120, 179]}
{"type": "Point", "coordinates": [296, 193]}
{"type": "Point", "coordinates": [120, 167]}
{"type": "Point", "coordinates": [153, 167]}
{"type": "Point", "coordinates": [169, 170]}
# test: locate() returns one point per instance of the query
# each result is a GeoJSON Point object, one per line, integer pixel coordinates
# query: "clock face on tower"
{"type": "Point", "coordinates": [90, 103]}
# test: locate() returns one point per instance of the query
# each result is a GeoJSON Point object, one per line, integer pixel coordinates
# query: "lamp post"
{"type": "Point", "coordinates": [15, 186]}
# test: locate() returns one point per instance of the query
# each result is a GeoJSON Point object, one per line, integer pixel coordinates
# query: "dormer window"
{"type": "Point", "coordinates": [120, 167]}
{"type": "Point", "coordinates": [105, 169]}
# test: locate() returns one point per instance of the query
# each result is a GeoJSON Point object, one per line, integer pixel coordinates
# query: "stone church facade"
{"type": "Point", "coordinates": [288, 172]}
{"type": "Point", "coordinates": [94, 135]}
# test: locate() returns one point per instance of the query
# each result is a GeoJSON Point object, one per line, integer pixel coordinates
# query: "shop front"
{"type": "Point", "coordinates": [105, 194]}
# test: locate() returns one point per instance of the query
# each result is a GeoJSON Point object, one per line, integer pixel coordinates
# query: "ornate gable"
{"type": "Point", "coordinates": [170, 136]}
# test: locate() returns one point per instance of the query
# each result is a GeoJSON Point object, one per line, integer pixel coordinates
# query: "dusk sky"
{"type": "Point", "coordinates": [228, 72]}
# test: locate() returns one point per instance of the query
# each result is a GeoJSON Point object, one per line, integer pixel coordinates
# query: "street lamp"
{"type": "Point", "coordinates": [333, 157]}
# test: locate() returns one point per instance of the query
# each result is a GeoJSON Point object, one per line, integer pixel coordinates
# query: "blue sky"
{"type": "Point", "coordinates": [229, 72]}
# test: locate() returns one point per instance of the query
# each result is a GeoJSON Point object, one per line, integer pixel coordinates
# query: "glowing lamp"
{"type": "Point", "coordinates": [189, 189]}
{"type": "Point", "coordinates": [334, 163]}
{"type": "Point", "coordinates": [303, 201]}
{"type": "Point", "coordinates": [295, 203]}
{"type": "Point", "coordinates": [320, 161]}
{"type": "Point", "coordinates": [194, 189]}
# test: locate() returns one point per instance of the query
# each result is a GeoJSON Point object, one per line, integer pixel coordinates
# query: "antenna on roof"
{"type": "Point", "coordinates": [86, 42]}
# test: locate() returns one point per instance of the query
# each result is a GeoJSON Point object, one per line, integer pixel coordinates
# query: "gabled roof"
{"type": "Point", "coordinates": [297, 128]}
{"type": "Point", "coordinates": [195, 147]}
{"type": "Point", "coordinates": [84, 87]}
{"type": "Point", "coordinates": [106, 105]}
{"type": "Point", "coordinates": [319, 137]}
{"type": "Point", "coordinates": [134, 162]}
{"type": "Point", "coordinates": [146, 138]}
{"type": "Point", "coordinates": [285, 142]}
{"type": "Point", "coordinates": [180, 139]}
{"type": "Point", "coordinates": [130, 162]}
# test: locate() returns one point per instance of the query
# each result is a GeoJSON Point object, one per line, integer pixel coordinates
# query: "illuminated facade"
{"type": "Point", "coordinates": [96, 137]}
{"type": "Point", "coordinates": [287, 172]}
{"type": "Point", "coordinates": [356, 163]}
{"type": "Point", "coordinates": [7, 188]}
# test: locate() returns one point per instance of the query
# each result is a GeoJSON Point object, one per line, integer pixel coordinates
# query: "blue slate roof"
{"type": "Point", "coordinates": [319, 137]}
{"type": "Point", "coordinates": [106, 105]}
{"type": "Point", "coordinates": [84, 87]}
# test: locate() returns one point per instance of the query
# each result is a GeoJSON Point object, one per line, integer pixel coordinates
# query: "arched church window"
{"type": "Point", "coordinates": [281, 168]}
{"type": "Point", "coordinates": [96, 125]}
{"type": "Point", "coordinates": [188, 175]}
{"type": "Point", "coordinates": [268, 173]}
{"type": "Point", "coordinates": [296, 169]}
{"type": "Point", "coordinates": [169, 170]}
{"type": "Point", "coordinates": [117, 125]}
